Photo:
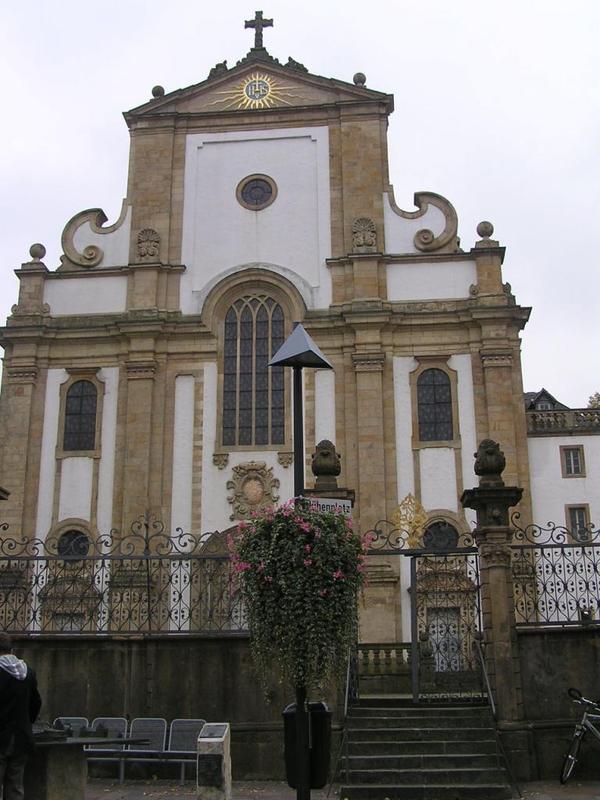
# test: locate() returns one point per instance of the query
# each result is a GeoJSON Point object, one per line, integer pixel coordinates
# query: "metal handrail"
{"type": "Point", "coordinates": [344, 743]}
{"type": "Point", "coordinates": [486, 679]}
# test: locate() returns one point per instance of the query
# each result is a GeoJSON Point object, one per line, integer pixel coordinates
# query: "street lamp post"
{"type": "Point", "coordinates": [299, 351]}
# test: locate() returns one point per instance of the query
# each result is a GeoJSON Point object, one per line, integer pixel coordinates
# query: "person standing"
{"type": "Point", "coordinates": [20, 704]}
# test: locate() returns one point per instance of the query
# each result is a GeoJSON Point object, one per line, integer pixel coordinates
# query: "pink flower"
{"type": "Point", "coordinates": [307, 562]}
{"type": "Point", "coordinates": [338, 575]}
{"type": "Point", "coordinates": [304, 526]}
{"type": "Point", "coordinates": [241, 566]}
{"type": "Point", "coordinates": [308, 548]}
{"type": "Point", "coordinates": [322, 592]}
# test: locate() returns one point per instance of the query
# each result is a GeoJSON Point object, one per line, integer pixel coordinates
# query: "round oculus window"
{"type": "Point", "coordinates": [256, 192]}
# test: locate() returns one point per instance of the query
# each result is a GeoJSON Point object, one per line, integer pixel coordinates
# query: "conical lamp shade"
{"type": "Point", "coordinates": [299, 350]}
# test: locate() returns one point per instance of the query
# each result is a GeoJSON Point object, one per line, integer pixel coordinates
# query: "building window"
{"type": "Point", "coordinates": [80, 416]}
{"type": "Point", "coordinates": [578, 522]}
{"type": "Point", "coordinates": [256, 192]}
{"type": "Point", "coordinates": [572, 462]}
{"type": "Point", "coordinates": [253, 393]}
{"type": "Point", "coordinates": [73, 544]}
{"type": "Point", "coordinates": [434, 401]}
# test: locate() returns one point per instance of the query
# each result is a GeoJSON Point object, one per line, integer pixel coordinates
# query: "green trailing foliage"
{"type": "Point", "coordinates": [300, 571]}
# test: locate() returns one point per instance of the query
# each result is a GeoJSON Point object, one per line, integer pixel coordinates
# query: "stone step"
{"type": "Point", "coordinates": [417, 791]}
{"type": "Point", "coordinates": [422, 713]}
{"type": "Point", "coordinates": [389, 733]}
{"type": "Point", "coordinates": [425, 777]}
{"type": "Point", "coordinates": [406, 701]}
{"type": "Point", "coordinates": [413, 720]}
{"type": "Point", "coordinates": [421, 761]}
{"type": "Point", "coordinates": [431, 747]}
{"type": "Point", "coordinates": [420, 710]}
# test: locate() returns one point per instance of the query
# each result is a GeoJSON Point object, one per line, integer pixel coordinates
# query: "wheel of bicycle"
{"type": "Point", "coordinates": [571, 757]}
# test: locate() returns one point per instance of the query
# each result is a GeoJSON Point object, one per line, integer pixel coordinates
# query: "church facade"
{"type": "Point", "coordinates": [136, 375]}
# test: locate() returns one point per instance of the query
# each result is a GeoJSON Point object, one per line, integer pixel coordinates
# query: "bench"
{"type": "Point", "coordinates": [182, 746]}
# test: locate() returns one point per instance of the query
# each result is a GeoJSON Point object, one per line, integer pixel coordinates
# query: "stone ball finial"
{"type": "Point", "coordinates": [485, 229]}
{"type": "Point", "coordinates": [37, 251]}
{"type": "Point", "coordinates": [158, 91]}
{"type": "Point", "coordinates": [359, 79]}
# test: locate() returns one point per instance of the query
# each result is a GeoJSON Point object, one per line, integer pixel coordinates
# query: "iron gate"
{"type": "Point", "coordinates": [444, 590]}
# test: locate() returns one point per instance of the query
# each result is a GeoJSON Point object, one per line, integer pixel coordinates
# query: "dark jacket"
{"type": "Point", "coordinates": [20, 704]}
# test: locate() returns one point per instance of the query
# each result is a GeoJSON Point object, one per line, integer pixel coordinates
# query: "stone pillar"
{"type": "Point", "coordinates": [140, 400]}
{"type": "Point", "coordinates": [370, 435]}
{"type": "Point", "coordinates": [491, 500]}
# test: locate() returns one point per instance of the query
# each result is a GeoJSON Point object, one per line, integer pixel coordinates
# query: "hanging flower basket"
{"type": "Point", "coordinates": [300, 571]}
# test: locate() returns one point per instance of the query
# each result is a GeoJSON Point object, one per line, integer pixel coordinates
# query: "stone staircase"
{"type": "Point", "coordinates": [427, 752]}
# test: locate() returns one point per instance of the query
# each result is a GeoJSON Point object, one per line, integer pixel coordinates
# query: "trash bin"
{"type": "Point", "coordinates": [319, 737]}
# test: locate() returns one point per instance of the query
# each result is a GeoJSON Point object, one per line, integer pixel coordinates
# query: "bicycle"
{"type": "Point", "coordinates": [591, 715]}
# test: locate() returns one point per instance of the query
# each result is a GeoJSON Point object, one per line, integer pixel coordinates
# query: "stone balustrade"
{"type": "Point", "coordinates": [585, 420]}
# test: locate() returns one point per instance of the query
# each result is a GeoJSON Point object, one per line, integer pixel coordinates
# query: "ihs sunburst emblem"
{"type": "Point", "coordinates": [258, 90]}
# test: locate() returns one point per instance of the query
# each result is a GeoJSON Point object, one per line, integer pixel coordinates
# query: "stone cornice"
{"type": "Point", "coordinates": [141, 370]}
{"type": "Point", "coordinates": [91, 272]}
{"type": "Point", "coordinates": [369, 361]}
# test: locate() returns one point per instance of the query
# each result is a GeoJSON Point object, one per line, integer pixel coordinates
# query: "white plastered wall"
{"type": "Point", "coordinates": [104, 294]}
{"type": "Point", "coordinates": [106, 469]}
{"type": "Point", "coordinates": [550, 492]}
{"type": "Point", "coordinates": [183, 451]}
{"type": "Point", "coordinates": [324, 405]}
{"type": "Point", "coordinates": [291, 236]}
{"type": "Point", "coordinates": [438, 280]}
{"type": "Point", "coordinates": [76, 479]}
{"type": "Point", "coordinates": [48, 456]}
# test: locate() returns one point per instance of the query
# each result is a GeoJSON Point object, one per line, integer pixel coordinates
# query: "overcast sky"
{"type": "Point", "coordinates": [497, 108]}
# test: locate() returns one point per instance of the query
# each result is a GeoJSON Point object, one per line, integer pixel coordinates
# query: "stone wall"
{"type": "Point", "coordinates": [209, 678]}
{"type": "Point", "coordinates": [551, 662]}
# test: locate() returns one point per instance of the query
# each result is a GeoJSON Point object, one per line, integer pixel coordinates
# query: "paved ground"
{"type": "Point", "coordinates": [149, 790]}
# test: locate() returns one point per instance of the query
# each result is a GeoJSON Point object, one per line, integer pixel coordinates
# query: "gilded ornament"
{"type": "Point", "coordinates": [410, 516]}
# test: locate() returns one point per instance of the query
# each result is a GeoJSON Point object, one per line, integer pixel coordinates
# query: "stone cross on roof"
{"type": "Point", "coordinates": [258, 23]}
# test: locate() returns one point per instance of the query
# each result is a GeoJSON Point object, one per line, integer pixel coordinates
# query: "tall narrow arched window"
{"type": "Point", "coordinates": [80, 416]}
{"type": "Point", "coordinates": [253, 393]}
{"type": "Point", "coordinates": [434, 400]}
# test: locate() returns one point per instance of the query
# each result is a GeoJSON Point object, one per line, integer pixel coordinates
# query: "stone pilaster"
{"type": "Point", "coordinates": [370, 435]}
{"type": "Point", "coordinates": [136, 484]}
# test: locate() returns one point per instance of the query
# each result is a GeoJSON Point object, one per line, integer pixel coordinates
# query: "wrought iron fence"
{"type": "Point", "coordinates": [556, 574]}
{"type": "Point", "coordinates": [144, 582]}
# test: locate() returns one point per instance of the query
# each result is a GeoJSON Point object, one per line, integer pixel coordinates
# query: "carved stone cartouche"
{"type": "Point", "coordinates": [364, 236]}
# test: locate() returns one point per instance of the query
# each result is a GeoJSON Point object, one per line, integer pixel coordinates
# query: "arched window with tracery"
{"type": "Point", "coordinates": [253, 393]}
{"type": "Point", "coordinates": [80, 416]}
{"type": "Point", "coordinates": [434, 401]}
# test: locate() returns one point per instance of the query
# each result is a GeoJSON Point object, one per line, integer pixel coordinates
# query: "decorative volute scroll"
{"type": "Point", "coordinates": [148, 244]}
{"type": "Point", "coordinates": [364, 236]}
{"type": "Point", "coordinates": [253, 488]}
{"type": "Point", "coordinates": [425, 239]}
{"type": "Point", "coordinates": [91, 255]}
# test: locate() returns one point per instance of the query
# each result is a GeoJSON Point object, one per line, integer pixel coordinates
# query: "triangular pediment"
{"type": "Point", "coordinates": [258, 84]}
